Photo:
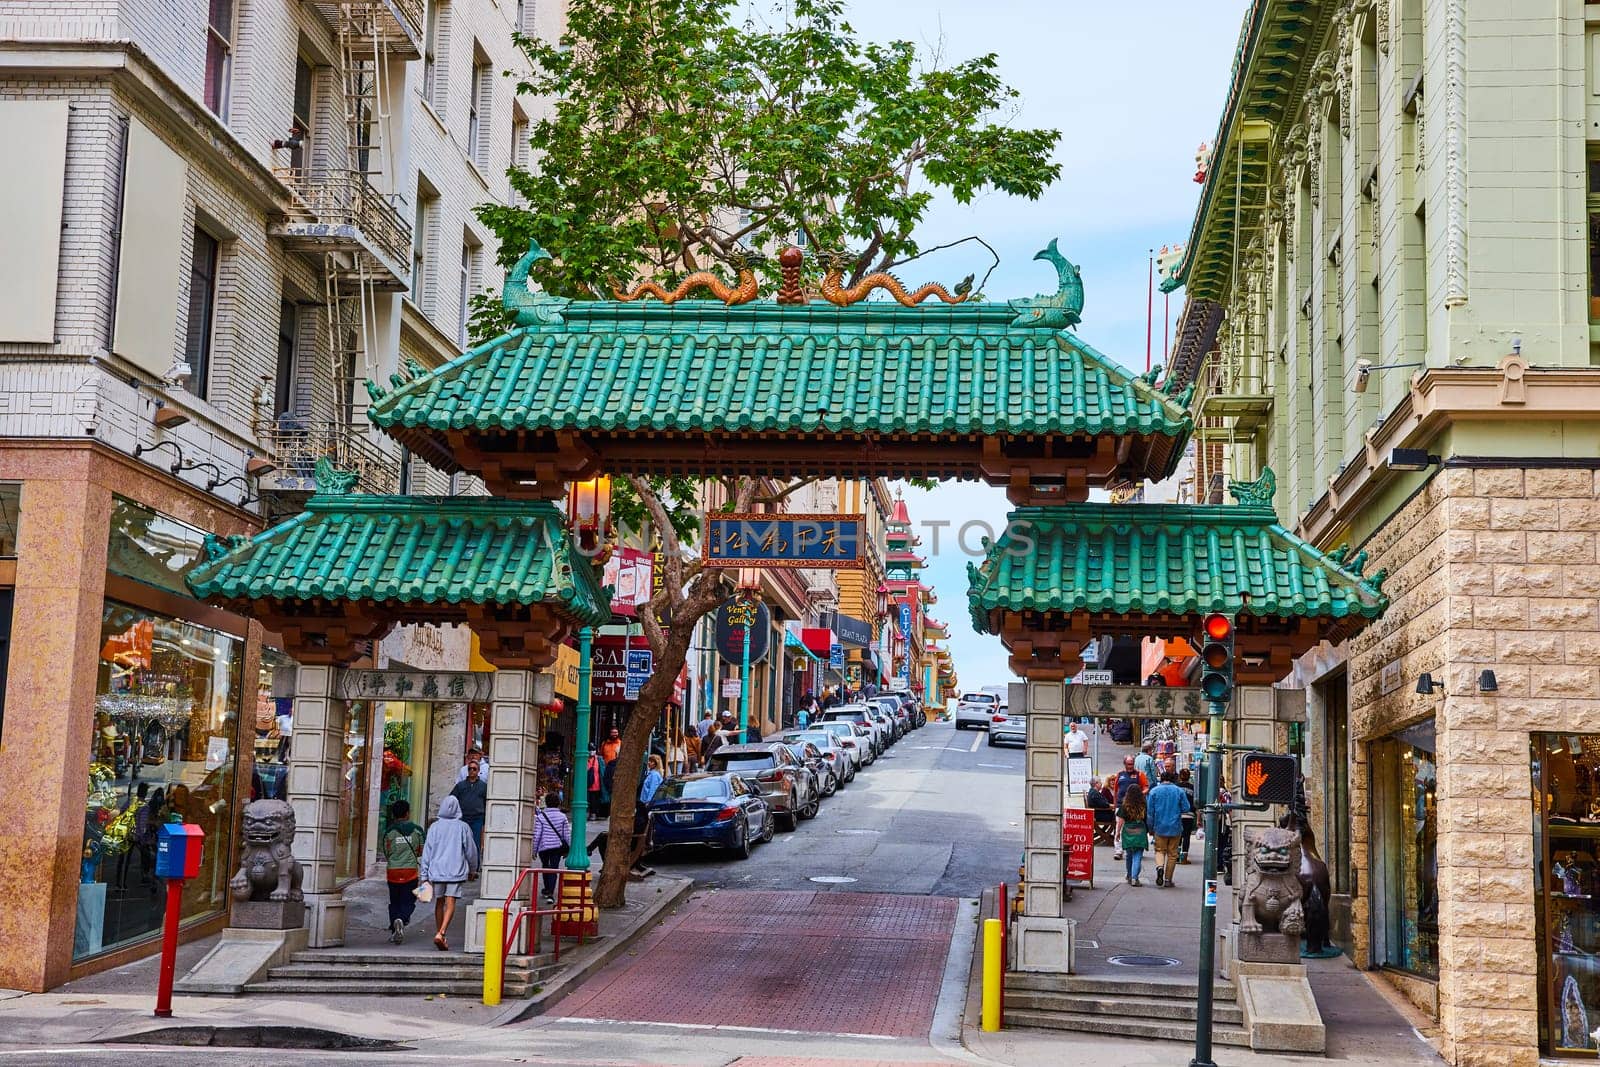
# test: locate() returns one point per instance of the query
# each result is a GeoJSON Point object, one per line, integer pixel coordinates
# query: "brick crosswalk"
{"type": "Point", "coordinates": [823, 962]}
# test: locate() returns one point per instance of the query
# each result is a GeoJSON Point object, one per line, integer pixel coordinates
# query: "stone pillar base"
{"type": "Point", "coordinates": [473, 941]}
{"type": "Point", "coordinates": [1042, 945]}
{"type": "Point", "coordinates": [240, 959]}
{"type": "Point", "coordinates": [1268, 948]}
{"type": "Point", "coordinates": [325, 919]}
{"type": "Point", "coordinates": [1279, 1009]}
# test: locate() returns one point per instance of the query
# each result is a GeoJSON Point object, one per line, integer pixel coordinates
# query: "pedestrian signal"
{"type": "Point", "coordinates": [1269, 778]}
{"type": "Point", "coordinates": [1216, 658]}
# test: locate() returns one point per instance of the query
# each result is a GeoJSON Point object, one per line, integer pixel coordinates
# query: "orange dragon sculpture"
{"type": "Point", "coordinates": [742, 293]}
{"type": "Point", "coordinates": [835, 263]}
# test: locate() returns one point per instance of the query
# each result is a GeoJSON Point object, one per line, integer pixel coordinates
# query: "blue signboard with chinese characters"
{"type": "Point", "coordinates": [830, 541]}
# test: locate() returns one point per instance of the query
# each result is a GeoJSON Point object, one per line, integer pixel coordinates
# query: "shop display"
{"type": "Point", "coordinates": [1406, 814]}
{"type": "Point", "coordinates": [1567, 776]}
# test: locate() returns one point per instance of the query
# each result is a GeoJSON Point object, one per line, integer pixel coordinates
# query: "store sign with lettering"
{"type": "Point", "coordinates": [830, 541]}
{"type": "Point", "coordinates": [1132, 702]}
{"type": "Point", "coordinates": [473, 687]}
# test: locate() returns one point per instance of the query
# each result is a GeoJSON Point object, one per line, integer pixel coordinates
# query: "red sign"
{"type": "Point", "coordinates": [1077, 837]}
{"type": "Point", "coordinates": [608, 680]}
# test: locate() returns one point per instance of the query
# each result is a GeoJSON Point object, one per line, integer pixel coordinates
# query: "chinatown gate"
{"type": "Point", "coordinates": [788, 386]}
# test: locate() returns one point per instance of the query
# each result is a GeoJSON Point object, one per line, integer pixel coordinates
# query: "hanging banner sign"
{"type": "Point", "coordinates": [852, 631]}
{"type": "Point", "coordinates": [731, 620]}
{"type": "Point", "coordinates": [825, 541]}
{"type": "Point", "coordinates": [630, 574]}
{"type": "Point", "coordinates": [905, 619]}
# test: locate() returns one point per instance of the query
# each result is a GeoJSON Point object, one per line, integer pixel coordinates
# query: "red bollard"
{"type": "Point", "coordinates": [169, 948]}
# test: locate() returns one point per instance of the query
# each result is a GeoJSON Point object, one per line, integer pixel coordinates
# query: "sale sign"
{"type": "Point", "coordinates": [1077, 837]}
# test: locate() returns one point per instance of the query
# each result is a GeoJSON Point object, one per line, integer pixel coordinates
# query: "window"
{"type": "Point", "coordinates": [1405, 877]}
{"type": "Point", "coordinates": [300, 126]}
{"type": "Point", "coordinates": [469, 263]}
{"type": "Point", "coordinates": [421, 233]}
{"type": "Point", "coordinates": [478, 112]}
{"type": "Point", "coordinates": [219, 55]}
{"type": "Point", "coordinates": [1594, 240]}
{"type": "Point", "coordinates": [1566, 776]}
{"type": "Point", "coordinates": [432, 83]}
{"type": "Point", "coordinates": [10, 518]}
{"type": "Point", "coordinates": [519, 152]}
{"type": "Point", "coordinates": [204, 253]}
{"type": "Point", "coordinates": [283, 385]}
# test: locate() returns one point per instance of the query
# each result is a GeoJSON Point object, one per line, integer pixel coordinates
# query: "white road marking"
{"type": "Point", "coordinates": [998, 766]}
{"type": "Point", "coordinates": [571, 1019]}
{"type": "Point", "coordinates": [976, 741]}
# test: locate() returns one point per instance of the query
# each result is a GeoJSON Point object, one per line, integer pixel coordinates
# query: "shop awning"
{"type": "Point", "coordinates": [794, 644]}
{"type": "Point", "coordinates": [818, 641]}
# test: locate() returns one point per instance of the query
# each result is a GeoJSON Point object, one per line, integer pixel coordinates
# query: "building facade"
{"type": "Point", "coordinates": [229, 215]}
{"type": "Point", "coordinates": [1391, 303]}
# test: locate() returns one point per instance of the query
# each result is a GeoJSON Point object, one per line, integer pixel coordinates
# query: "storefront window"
{"type": "Point", "coordinates": [1567, 789]}
{"type": "Point", "coordinates": [166, 712]}
{"type": "Point", "coordinates": [407, 730]}
{"type": "Point", "coordinates": [352, 789]}
{"type": "Point", "coordinates": [1406, 878]}
{"type": "Point", "coordinates": [274, 725]}
{"type": "Point", "coordinates": [152, 548]}
{"type": "Point", "coordinates": [10, 516]}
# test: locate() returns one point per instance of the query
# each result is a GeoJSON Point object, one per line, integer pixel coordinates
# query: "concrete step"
{"type": "Point", "coordinates": [411, 959]}
{"type": "Point", "coordinates": [385, 987]}
{"type": "Point", "coordinates": [466, 972]}
{"type": "Point", "coordinates": [1090, 1022]}
{"type": "Point", "coordinates": [1101, 986]}
{"type": "Point", "coordinates": [1126, 1005]}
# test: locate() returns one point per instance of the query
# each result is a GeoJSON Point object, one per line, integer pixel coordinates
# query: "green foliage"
{"type": "Point", "coordinates": [677, 136]}
{"type": "Point", "coordinates": [678, 496]}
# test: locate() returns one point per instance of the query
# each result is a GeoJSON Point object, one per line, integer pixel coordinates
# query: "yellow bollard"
{"type": "Point", "coordinates": [494, 960]}
{"type": "Point", "coordinates": [991, 975]}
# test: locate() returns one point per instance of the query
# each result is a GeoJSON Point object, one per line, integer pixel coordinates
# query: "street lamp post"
{"type": "Point", "coordinates": [578, 847]}
{"type": "Point", "coordinates": [749, 579]}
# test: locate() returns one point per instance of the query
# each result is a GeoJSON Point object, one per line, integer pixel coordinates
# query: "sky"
{"type": "Point", "coordinates": [1134, 90]}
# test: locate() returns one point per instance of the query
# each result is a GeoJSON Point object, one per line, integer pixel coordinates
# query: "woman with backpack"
{"type": "Point", "coordinates": [402, 851]}
{"type": "Point", "coordinates": [1135, 831]}
{"type": "Point", "coordinates": [552, 835]}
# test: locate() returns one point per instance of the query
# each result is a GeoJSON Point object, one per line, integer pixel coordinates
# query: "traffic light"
{"type": "Point", "coordinates": [1269, 778]}
{"type": "Point", "coordinates": [1216, 658]}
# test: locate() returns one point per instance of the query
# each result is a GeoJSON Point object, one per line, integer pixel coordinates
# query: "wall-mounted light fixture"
{"type": "Point", "coordinates": [1427, 686]}
{"type": "Point", "coordinates": [1487, 682]}
{"type": "Point", "coordinates": [1365, 367]}
{"type": "Point", "coordinates": [1411, 459]}
{"type": "Point", "coordinates": [168, 418]}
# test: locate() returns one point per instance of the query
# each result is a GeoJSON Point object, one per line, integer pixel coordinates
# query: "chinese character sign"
{"type": "Point", "coordinates": [783, 541]}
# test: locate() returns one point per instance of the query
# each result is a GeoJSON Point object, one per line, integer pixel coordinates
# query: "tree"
{"type": "Point", "coordinates": [677, 139]}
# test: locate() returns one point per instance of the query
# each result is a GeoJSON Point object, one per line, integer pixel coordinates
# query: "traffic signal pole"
{"type": "Point", "coordinates": [1208, 912]}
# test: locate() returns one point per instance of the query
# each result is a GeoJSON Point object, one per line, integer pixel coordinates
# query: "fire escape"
{"type": "Point", "coordinates": [363, 239]}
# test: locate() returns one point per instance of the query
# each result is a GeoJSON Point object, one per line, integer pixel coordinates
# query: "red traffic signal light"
{"type": "Point", "coordinates": [1269, 778]}
{"type": "Point", "coordinates": [1218, 626]}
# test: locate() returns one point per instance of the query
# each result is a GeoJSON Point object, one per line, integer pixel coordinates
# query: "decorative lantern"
{"type": "Point", "coordinates": [883, 601]}
{"type": "Point", "coordinates": [589, 512]}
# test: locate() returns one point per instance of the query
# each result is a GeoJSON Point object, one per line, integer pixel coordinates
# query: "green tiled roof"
{"type": "Point", "coordinates": [1149, 559]}
{"type": "Point", "coordinates": [408, 550]}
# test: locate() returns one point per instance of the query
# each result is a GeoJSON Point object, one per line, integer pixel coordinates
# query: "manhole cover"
{"type": "Point", "coordinates": [856, 831]}
{"type": "Point", "coordinates": [1143, 961]}
{"type": "Point", "coordinates": [840, 879]}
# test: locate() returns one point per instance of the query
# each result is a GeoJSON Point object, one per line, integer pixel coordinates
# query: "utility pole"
{"type": "Point", "coordinates": [1216, 684]}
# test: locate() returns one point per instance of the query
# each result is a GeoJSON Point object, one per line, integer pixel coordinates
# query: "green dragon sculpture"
{"type": "Point", "coordinates": [529, 307]}
{"type": "Point", "coordinates": [1064, 308]}
{"type": "Point", "coordinates": [1257, 493]}
{"type": "Point", "coordinates": [330, 480]}
{"type": "Point", "coordinates": [218, 545]}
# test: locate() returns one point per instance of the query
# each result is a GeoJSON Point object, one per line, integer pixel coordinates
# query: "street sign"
{"type": "Point", "coordinates": [830, 541]}
{"type": "Point", "coordinates": [836, 656]}
{"type": "Point", "coordinates": [1092, 678]}
{"type": "Point", "coordinates": [1077, 837]}
{"type": "Point", "coordinates": [729, 630]}
{"type": "Point", "coordinates": [731, 687]}
{"type": "Point", "coordinates": [1269, 778]}
{"type": "Point", "coordinates": [1079, 770]}
{"type": "Point", "coordinates": [640, 663]}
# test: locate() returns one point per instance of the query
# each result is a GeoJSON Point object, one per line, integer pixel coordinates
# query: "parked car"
{"type": "Point", "coordinates": [917, 717]}
{"type": "Point", "coordinates": [860, 713]}
{"type": "Point", "coordinates": [823, 783]}
{"type": "Point", "coordinates": [719, 810]}
{"type": "Point", "coordinates": [840, 763]}
{"type": "Point", "coordinates": [1006, 726]}
{"type": "Point", "coordinates": [783, 779]}
{"type": "Point", "coordinates": [976, 709]}
{"type": "Point", "coordinates": [884, 718]}
{"type": "Point", "coordinates": [896, 709]}
{"type": "Point", "coordinates": [854, 745]}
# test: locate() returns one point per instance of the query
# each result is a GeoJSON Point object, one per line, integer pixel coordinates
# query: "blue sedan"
{"type": "Point", "coordinates": [720, 810]}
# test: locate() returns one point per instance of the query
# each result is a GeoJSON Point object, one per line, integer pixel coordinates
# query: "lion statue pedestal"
{"type": "Point", "coordinates": [1272, 917]}
{"type": "Point", "coordinates": [266, 888]}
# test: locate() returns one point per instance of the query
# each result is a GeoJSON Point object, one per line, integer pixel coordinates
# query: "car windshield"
{"type": "Point", "coordinates": [978, 698]}
{"type": "Point", "coordinates": [743, 761]}
{"type": "Point", "coordinates": [693, 789]}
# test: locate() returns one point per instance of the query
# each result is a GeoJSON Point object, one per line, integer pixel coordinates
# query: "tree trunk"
{"type": "Point", "coordinates": [612, 888]}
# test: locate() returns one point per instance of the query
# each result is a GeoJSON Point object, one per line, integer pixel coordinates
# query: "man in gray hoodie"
{"type": "Point", "coordinates": [448, 856]}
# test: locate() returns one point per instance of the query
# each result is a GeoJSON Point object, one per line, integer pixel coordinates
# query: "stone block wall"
{"type": "Point", "coordinates": [1497, 569]}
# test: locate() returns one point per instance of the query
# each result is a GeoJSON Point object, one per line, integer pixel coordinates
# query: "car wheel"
{"type": "Point", "coordinates": [741, 841]}
{"type": "Point", "coordinates": [992, 742]}
{"type": "Point", "coordinates": [832, 785]}
{"type": "Point", "coordinates": [766, 828]}
{"type": "Point", "coordinates": [811, 809]}
{"type": "Point", "coordinates": [791, 818]}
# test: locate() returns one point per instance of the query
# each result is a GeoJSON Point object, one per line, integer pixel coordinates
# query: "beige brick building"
{"type": "Point", "coordinates": [1391, 289]}
{"type": "Point", "coordinates": [217, 219]}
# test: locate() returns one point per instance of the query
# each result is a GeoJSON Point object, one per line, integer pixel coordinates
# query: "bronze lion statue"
{"type": "Point", "coordinates": [267, 867]}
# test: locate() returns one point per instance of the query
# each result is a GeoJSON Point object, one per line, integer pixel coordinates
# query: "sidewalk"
{"type": "Point", "coordinates": [118, 1004]}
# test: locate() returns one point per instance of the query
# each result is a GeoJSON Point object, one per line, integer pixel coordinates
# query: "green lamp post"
{"type": "Point", "coordinates": [589, 510]}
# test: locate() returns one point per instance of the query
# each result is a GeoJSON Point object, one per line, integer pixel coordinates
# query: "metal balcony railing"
{"type": "Point", "coordinates": [297, 444]}
{"type": "Point", "coordinates": [341, 208]}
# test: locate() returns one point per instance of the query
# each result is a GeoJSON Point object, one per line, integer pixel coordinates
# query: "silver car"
{"type": "Point", "coordinates": [862, 714]}
{"type": "Point", "coordinates": [976, 709]}
{"type": "Point", "coordinates": [855, 747]}
{"type": "Point", "coordinates": [1006, 727]}
{"type": "Point", "coordinates": [841, 768]}
{"type": "Point", "coordinates": [785, 782]}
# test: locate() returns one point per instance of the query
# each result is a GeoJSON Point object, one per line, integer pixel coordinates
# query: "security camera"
{"type": "Point", "coordinates": [1363, 372]}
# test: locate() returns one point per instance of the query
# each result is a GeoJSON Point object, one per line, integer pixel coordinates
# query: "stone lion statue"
{"type": "Point", "coordinates": [267, 867]}
{"type": "Point", "coordinates": [1272, 885]}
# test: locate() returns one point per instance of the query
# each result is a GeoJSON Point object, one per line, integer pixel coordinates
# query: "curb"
{"type": "Point", "coordinates": [572, 977]}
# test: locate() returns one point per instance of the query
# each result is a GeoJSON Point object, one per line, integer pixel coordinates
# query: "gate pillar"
{"type": "Point", "coordinates": [513, 795]}
{"type": "Point", "coordinates": [316, 766]}
{"type": "Point", "coordinates": [1044, 936]}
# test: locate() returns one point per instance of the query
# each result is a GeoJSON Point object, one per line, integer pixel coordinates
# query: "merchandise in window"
{"type": "Point", "coordinates": [1405, 796]}
{"type": "Point", "coordinates": [1566, 770]}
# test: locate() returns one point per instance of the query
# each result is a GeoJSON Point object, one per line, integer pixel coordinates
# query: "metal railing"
{"type": "Point", "coordinates": [345, 198]}
{"type": "Point", "coordinates": [516, 913]}
{"type": "Point", "coordinates": [297, 444]}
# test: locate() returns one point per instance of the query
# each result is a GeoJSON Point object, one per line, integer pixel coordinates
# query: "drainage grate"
{"type": "Point", "coordinates": [1143, 961]}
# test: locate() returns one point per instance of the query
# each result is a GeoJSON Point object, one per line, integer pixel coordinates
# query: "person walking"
{"type": "Point", "coordinates": [552, 836]}
{"type": "Point", "coordinates": [402, 851]}
{"type": "Point", "coordinates": [1145, 764]}
{"type": "Point", "coordinates": [1077, 741]}
{"type": "Point", "coordinates": [448, 856]}
{"type": "Point", "coordinates": [472, 793]}
{"type": "Point", "coordinates": [1128, 778]}
{"type": "Point", "coordinates": [1135, 832]}
{"type": "Point", "coordinates": [691, 752]}
{"type": "Point", "coordinates": [1190, 818]}
{"type": "Point", "coordinates": [1165, 807]}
